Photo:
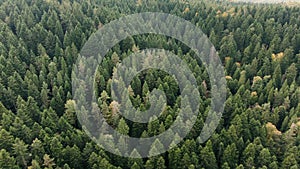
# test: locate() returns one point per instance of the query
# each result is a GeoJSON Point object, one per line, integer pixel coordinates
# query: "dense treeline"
{"type": "Point", "coordinates": [258, 44]}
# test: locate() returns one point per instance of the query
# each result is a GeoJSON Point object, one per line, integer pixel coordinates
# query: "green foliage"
{"type": "Point", "coordinates": [259, 48]}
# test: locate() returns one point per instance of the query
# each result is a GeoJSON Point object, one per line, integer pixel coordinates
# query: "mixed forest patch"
{"type": "Point", "coordinates": [259, 46]}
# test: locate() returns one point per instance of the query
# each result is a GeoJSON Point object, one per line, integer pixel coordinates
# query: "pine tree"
{"type": "Point", "coordinates": [37, 149]}
{"type": "Point", "coordinates": [123, 127]}
{"type": "Point", "coordinates": [72, 156]}
{"type": "Point", "coordinates": [289, 161]}
{"type": "Point", "coordinates": [6, 140]}
{"type": "Point", "coordinates": [20, 150]}
{"type": "Point", "coordinates": [48, 161]}
{"type": "Point", "coordinates": [264, 158]}
{"type": "Point", "coordinates": [277, 77]}
{"type": "Point", "coordinates": [34, 165]}
{"type": "Point", "coordinates": [208, 157]}
{"type": "Point", "coordinates": [230, 155]}
{"type": "Point", "coordinates": [7, 161]}
{"type": "Point", "coordinates": [291, 73]}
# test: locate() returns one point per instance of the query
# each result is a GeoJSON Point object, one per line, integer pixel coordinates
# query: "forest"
{"type": "Point", "coordinates": [258, 44]}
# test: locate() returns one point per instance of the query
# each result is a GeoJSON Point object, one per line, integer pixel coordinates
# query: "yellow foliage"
{"type": "Point", "coordinates": [238, 64]}
{"type": "Point", "coordinates": [135, 48]}
{"type": "Point", "coordinates": [272, 130]}
{"type": "Point", "coordinates": [293, 130]}
{"type": "Point", "coordinates": [228, 77]}
{"type": "Point", "coordinates": [273, 56]}
{"type": "Point", "coordinates": [70, 105]}
{"type": "Point", "coordinates": [267, 77]}
{"type": "Point", "coordinates": [253, 94]}
{"type": "Point", "coordinates": [256, 79]}
{"type": "Point", "coordinates": [114, 107]}
{"type": "Point", "coordinates": [225, 15]}
{"type": "Point", "coordinates": [130, 91]}
{"type": "Point", "coordinates": [231, 10]}
{"type": "Point", "coordinates": [227, 58]}
{"type": "Point", "coordinates": [277, 56]}
{"type": "Point", "coordinates": [280, 55]}
{"type": "Point", "coordinates": [257, 106]}
{"type": "Point", "coordinates": [186, 10]}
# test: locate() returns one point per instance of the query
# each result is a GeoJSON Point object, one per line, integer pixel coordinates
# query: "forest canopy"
{"type": "Point", "coordinates": [259, 46]}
